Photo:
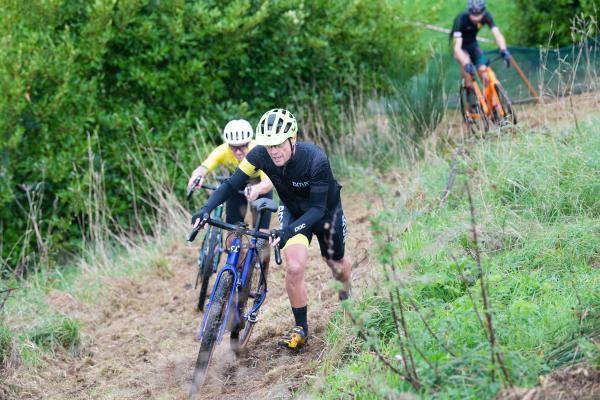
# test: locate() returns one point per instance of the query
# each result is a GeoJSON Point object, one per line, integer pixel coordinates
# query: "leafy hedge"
{"type": "Point", "coordinates": [541, 22]}
{"type": "Point", "coordinates": [79, 80]}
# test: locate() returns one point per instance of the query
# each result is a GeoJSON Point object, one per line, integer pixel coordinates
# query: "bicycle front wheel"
{"type": "Point", "coordinates": [214, 320]}
{"type": "Point", "coordinates": [207, 267]}
{"type": "Point", "coordinates": [473, 115]}
{"type": "Point", "coordinates": [509, 113]}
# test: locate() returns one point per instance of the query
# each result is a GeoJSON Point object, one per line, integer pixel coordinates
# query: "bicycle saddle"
{"type": "Point", "coordinates": [265, 204]}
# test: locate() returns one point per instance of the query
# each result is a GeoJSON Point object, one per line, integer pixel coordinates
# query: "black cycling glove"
{"type": "Point", "coordinates": [283, 236]}
{"type": "Point", "coordinates": [470, 69]}
{"type": "Point", "coordinates": [203, 214]}
{"type": "Point", "coordinates": [506, 56]}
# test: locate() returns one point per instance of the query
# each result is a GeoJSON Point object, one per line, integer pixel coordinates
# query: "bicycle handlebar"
{"type": "Point", "coordinates": [234, 228]}
{"type": "Point", "coordinates": [208, 186]}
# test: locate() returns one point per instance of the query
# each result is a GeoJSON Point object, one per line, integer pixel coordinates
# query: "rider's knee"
{"type": "Point", "coordinates": [295, 267]}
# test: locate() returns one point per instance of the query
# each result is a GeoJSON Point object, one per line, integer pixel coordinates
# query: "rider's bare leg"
{"type": "Point", "coordinates": [296, 256]}
{"type": "Point", "coordinates": [342, 270]}
{"type": "Point", "coordinates": [483, 73]}
{"type": "Point", "coordinates": [467, 78]}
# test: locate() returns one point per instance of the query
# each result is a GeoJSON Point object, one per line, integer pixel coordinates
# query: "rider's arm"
{"type": "Point", "coordinates": [456, 35]}
{"type": "Point", "coordinates": [212, 161]}
{"type": "Point", "coordinates": [459, 53]}
{"type": "Point", "coordinates": [499, 38]}
{"type": "Point", "coordinates": [224, 191]}
{"type": "Point", "coordinates": [215, 158]}
{"type": "Point", "coordinates": [265, 185]}
{"type": "Point", "coordinates": [317, 201]}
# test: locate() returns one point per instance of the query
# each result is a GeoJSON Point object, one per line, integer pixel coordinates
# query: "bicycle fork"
{"type": "Point", "coordinates": [229, 268]}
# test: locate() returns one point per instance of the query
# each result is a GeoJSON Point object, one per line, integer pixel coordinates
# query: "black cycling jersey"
{"type": "Point", "coordinates": [466, 29]}
{"type": "Point", "coordinates": [305, 184]}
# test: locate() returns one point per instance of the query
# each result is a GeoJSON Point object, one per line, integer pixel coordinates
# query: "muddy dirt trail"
{"type": "Point", "coordinates": [140, 341]}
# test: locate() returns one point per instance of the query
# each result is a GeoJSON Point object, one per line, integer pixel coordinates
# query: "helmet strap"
{"type": "Point", "coordinates": [292, 147]}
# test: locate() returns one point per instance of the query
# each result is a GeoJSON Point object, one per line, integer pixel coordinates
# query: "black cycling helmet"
{"type": "Point", "coordinates": [475, 6]}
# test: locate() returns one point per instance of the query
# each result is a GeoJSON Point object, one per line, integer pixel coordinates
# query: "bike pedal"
{"type": "Point", "coordinates": [252, 318]}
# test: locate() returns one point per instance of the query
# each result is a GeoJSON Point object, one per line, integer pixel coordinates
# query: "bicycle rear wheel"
{"type": "Point", "coordinates": [253, 294]}
{"type": "Point", "coordinates": [214, 320]}
{"type": "Point", "coordinates": [207, 267]}
{"type": "Point", "coordinates": [509, 113]}
{"type": "Point", "coordinates": [474, 116]}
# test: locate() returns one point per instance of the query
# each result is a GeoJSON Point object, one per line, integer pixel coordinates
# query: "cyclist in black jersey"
{"type": "Point", "coordinates": [310, 205]}
{"type": "Point", "coordinates": [466, 48]}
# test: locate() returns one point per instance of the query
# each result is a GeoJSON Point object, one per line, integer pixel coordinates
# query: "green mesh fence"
{"type": "Point", "coordinates": [555, 72]}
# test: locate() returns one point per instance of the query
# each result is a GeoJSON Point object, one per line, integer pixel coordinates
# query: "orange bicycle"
{"type": "Point", "coordinates": [492, 107]}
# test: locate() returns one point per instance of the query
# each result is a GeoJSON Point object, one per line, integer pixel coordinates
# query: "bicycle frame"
{"type": "Point", "coordinates": [240, 282]}
{"type": "Point", "coordinates": [489, 97]}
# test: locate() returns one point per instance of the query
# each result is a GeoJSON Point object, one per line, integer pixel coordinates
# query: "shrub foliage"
{"type": "Point", "coordinates": [79, 79]}
{"type": "Point", "coordinates": [541, 22]}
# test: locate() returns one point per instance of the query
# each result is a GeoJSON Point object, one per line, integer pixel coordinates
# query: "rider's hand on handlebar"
{"type": "Point", "coordinates": [470, 69]}
{"type": "Point", "coordinates": [506, 56]}
{"type": "Point", "coordinates": [282, 238]}
{"type": "Point", "coordinates": [200, 218]}
{"type": "Point", "coordinates": [195, 181]}
{"type": "Point", "coordinates": [251, 192]}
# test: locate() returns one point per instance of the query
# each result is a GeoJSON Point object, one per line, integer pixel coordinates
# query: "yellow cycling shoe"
{"type": "Point", "coordinates": [294, 338]}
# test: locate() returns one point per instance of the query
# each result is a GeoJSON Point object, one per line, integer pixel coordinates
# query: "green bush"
{"type": "Point", "coordinates": [79, 81]}
{"type": "Point", "coordinates": [541, 22]}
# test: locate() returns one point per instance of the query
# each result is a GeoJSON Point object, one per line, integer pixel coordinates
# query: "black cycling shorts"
{"type": "Point", "coordinates": [236, 206]}
{"type": "Point", "coordinates": [476, 54]}
{"type": "Point", "coordinates": [331, 231]}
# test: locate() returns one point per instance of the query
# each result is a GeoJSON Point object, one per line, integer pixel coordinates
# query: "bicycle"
{"type": "Point", "coordinates": [493, 104]}
{"type": "Point", "coordinates": [211, 248]}
{"type": "Point", "coordinates": [228, 306]}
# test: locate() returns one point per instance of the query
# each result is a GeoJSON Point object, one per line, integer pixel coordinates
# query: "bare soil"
{"type": "Point", "coordinates": [140, 334]}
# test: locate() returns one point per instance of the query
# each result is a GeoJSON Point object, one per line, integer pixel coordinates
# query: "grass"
{"type": "Point", "coordinates": [57, 333]}
{"type": "Point", "coordinates": [537, 201]}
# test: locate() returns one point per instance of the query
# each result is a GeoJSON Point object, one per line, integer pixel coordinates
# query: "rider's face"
{"type": "Point", "coordinates": [281, 153]}
{"type": "Point", "coordinates": [239, 152]}
{"type": "Point", "coordinates": [476, 17]}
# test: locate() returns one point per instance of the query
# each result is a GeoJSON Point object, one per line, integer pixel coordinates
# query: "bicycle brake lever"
{"type": "Point", "coordinates": [277, 249]}
{"type": "Point", "coordinates": [191, 189]}
{"type": "Point", "coordinates": [192, 235]}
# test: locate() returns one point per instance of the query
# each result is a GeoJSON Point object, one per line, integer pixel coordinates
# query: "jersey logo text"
{"type": "Point", "coordinates": [300, 184]}
{"type": "Point", "coordinates": [299, 227]}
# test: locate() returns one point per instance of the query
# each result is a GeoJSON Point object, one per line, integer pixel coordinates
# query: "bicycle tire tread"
{"type": "Point", "coordinates": [209, 336]}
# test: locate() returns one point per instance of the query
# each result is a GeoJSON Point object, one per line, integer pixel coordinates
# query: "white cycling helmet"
{"type": "Point", "coordinates": [275, 127]}
{"type": "Point", "coordinates": [238, 132]}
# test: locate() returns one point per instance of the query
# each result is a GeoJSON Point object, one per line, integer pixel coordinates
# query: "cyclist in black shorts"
{"type": "Point", "coordinates": [310, 205]}
{"type": "Point", "coordinates": [466, 49]}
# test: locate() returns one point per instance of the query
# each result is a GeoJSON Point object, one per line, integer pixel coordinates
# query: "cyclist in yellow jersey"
{"type": "Point", "coordinates": [237, 136]}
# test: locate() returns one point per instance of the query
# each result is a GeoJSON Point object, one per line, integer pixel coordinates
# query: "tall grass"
{"type": "Point", "coordinates": [31, 330]}
{"type": "Point", "coordinates": [538, 228]}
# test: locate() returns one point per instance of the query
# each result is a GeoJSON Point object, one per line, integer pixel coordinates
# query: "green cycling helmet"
{"type": "Point", "coordinates": [275, 127]}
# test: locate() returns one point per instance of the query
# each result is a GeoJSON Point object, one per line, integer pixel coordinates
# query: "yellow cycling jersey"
{"type": "Point", "coordinates": [222, 155]}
